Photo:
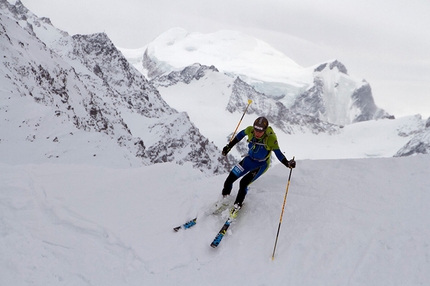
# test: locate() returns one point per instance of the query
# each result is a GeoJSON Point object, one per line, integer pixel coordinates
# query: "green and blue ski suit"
{"type": "Point", "coordinates": [255, 163]}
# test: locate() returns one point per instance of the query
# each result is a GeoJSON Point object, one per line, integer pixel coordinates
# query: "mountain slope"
{"type": "Point", "coordinates": [338, 98]}
{"type": "Point", "coordinates": [206, 101]}
{"type": "Point", "coordinates": [419, 143]}
{"type": "Point", "coordinates": [87, 85]}
{"type": "Point", "coordinates": [208, 84]}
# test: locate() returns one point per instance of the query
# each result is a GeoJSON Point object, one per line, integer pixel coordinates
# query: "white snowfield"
{"type": "Point", "coordinates": [346, 222]}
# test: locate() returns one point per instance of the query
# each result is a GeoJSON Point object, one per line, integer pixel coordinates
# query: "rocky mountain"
{"type": "Point", "coordinates": [419, 143]}
{"type": "Point", "coordinates": [279, 116]}
{"type": "Point", "coordinates": [83, 83]}
{"type": "Point", "coordinates": [276, 112]}
{"type": "Point", "coordinates": [324, 92]}
{"type": "Point", "coordinates": [326, 104]}
{"type": "Point", "coordinates": [193, 72]}
{"type": "Point", "coordinates": [335, 97]}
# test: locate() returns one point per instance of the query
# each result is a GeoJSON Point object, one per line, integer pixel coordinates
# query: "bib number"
{"type": "Point", "coordinates": [238, 170]}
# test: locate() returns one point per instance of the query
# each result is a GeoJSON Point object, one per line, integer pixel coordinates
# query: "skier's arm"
{"type": "Point", "coordinates": [288, 163]}
{"type": "Point", "coordinates": [233, 142]}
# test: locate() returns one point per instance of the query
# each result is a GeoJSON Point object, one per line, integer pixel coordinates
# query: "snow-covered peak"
{"type": "Point", "coordinates": [324, 91]}
{"type": "Point", "coordinates": [232, 52]}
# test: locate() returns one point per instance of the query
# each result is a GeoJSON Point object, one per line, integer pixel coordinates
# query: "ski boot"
{"type": "Point", "coordinates": [235, 210]}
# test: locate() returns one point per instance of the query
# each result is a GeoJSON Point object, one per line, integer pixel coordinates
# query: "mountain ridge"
{"type": "Point", "coordinates": [90, 86]}
{"type": "Point", "coordinates": [84, 80]}
{"type": "Point", "coordinates": [343, 99]}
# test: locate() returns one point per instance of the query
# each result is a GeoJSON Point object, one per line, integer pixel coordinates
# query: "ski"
{"type": "Point", "coordinates": [219, 206]}
{"type": "Point", "coordinates": [224, 228]}
{"type": "Point", "coordinates": [186, 225]}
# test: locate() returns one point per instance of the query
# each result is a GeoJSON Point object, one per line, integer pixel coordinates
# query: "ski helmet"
{"type": "Point", "coordinates": [261, 123]}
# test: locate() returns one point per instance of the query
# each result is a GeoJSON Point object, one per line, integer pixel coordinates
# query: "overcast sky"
{"type": "Point", "coordinates": [385, 42]}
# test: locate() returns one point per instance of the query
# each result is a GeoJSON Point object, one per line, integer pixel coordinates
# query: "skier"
{"type": "Point", "coordinates": [261, 141]}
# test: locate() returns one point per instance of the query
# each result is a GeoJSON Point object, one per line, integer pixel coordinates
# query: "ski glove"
{"type": "Point", "coordinates": [289, 164]}
{"type": "Point", "coordinates": [228, 147]}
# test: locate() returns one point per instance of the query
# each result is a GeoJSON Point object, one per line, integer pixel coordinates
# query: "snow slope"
{"type": "Point", "coordinates": [346, 222]}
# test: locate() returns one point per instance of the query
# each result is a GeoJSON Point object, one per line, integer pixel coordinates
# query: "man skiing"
{"type": "Point", "coordinates": [261, 141]}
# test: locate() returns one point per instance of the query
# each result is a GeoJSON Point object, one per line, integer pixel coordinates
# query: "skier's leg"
{"type": "Point", "coordinates": [246, 181]}
{"type": "Point", "coordinates": [235, 173]}
{"type": "Point", "coordinates": [228, 184]}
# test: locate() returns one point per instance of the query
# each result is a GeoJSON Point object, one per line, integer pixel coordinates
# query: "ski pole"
{"type": "Point", "coordinates": [282, 213]}
{"type": "Point", "coordinates": [234, 133]}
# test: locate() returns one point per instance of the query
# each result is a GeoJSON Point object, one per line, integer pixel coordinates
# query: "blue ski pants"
{"type": "Point", "coordinates": [251, 170]}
